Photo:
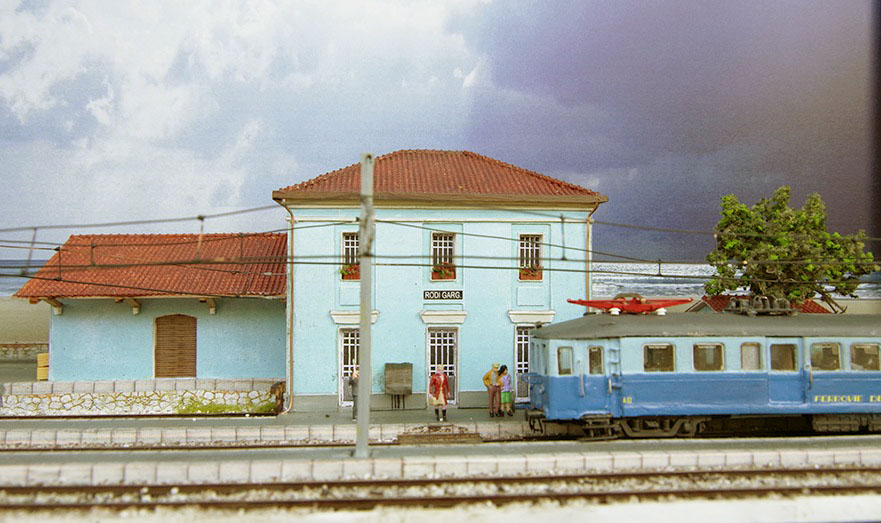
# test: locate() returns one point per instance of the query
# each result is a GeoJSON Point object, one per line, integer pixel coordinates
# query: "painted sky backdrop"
{"type": "Point", "coordinates": [133, 110]}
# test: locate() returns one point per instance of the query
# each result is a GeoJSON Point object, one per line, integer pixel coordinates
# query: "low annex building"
{"type": "Point", "coordinates": [470, 254]}
{"type": "Point", "coordinates": [154, 306]}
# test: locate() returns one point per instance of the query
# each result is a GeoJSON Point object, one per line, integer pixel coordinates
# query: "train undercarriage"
{"type": "Point", "coordinates": [607, 427]}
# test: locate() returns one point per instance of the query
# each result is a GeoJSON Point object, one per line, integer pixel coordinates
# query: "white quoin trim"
{"type": "Point", "coordinates": [443, 317]}
{"type": "Point", "coordinates": [351, 317]}
{"type": "Point", "coordinates": [531, 317]}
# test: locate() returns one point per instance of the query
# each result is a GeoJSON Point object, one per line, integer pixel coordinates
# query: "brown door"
{"type": "Point", "coordinates": [175, 355]}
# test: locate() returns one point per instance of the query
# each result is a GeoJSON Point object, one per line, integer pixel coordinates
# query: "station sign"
{"type": "Point", "coordinates": [442, 295]}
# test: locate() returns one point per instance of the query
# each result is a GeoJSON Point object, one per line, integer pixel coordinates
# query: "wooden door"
{"type": "Point", "coordinates": [175, 347]}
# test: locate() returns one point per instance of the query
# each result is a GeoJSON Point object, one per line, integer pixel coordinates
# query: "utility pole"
{"type": "Point", "coordinates": [366, 232]}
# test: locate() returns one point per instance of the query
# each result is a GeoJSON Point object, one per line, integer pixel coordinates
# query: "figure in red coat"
{"type": "Point", "coordinates": [438, 389]}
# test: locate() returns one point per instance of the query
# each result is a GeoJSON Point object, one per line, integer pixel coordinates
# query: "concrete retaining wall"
{"type": "Point", "coordinates": [133, 397]}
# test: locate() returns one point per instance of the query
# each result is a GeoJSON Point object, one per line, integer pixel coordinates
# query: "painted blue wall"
{"type": "Point", "coordinates": [491, 288]}
{"type": "Point", "coordinates": [98, 339]}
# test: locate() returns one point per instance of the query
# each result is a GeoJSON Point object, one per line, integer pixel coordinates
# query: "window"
{"type": "Point", "coordinates": [658, 358]}
{"type": "Point", "coordinates": [826, 356]}
{"type": "Point", "coordinates": [443, 349]}
{"type": "Point", "coordinates": [350, 342]}
{"type": "Point", "coordinates": [564, 361]}
{"type": "Point", "coordinates": [521, 360]}
{"type": "Point", "coordinates": [443, 266]}
{"type": "Point", "coordinates": [864, 356]}
{"type": "Point", "coordinates": [782, 356]}
{"type": "Point", "coordinates": [595, 359]}
{"type": "Point", "coordinates": [351, 263]}
{"type": "Point", "coordinates": [530, 257]}
{"type": "Point", "coordinates": [750, 356]}
{"type": "Point", "coordinates": [707, 356]}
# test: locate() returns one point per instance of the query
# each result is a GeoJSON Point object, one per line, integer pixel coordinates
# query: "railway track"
{"type": "Point", "coordinates": [446, 492]}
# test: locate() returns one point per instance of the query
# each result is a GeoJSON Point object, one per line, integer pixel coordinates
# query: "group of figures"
{"type": "Point", "coordinates": [500, 388]}
{"type": "Point", "coordinates": [497, 381]}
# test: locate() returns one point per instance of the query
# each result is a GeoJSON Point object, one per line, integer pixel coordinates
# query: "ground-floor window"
{"type": "Point", "coordinates": [174, 346]}
{"type": "Point", "coordinates": [350, 343]}
{"type": "Point", "coordinates": [443, 352]}
{"type": "Point", "coordinates": [522, 336]}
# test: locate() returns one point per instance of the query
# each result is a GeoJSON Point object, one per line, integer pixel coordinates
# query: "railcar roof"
{"type": "Point", "coordinates": [596, 326]}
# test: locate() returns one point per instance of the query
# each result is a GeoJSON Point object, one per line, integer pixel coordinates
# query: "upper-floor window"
{"type": "Point", "coordinates": [351, 263]}
{"type": "Point", "coordinates": [707, 356]}
{"type": "Point", "coordinates": [658, 357]}
{"type": "Point", "coordinates": [864, 356]}
{"type": "Point", "coordinates": [443, 265]}
{"type": "Point", "coordinates": [826, 356]}
{"type": "Point", "coordinates": [530, 257]}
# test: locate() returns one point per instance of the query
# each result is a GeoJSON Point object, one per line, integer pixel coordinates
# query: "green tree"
{"type": "Point", "coordinates": [776, 251]}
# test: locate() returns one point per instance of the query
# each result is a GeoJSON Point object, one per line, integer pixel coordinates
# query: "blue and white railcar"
{"type": "Point", "coordinates": [669, 375]}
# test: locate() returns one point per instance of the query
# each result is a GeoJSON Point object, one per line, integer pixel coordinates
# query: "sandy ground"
{"type": "Point", "coordinates": [21, 322]}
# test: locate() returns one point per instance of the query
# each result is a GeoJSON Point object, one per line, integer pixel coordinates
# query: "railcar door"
{"type": "Point", "coordinates": [786, 374]}
{"type": "Point", "coordinates": [594, 387]}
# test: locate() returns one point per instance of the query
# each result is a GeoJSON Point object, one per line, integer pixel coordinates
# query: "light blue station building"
{"type": "Point", "coordinates": [470, 254]}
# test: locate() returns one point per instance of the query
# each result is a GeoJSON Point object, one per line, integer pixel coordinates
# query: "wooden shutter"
{"type": "Point", "coordinates": [175, 355]}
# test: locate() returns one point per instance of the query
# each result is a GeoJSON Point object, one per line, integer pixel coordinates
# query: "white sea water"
{"type": "Point", "coordinates": [674, 279]}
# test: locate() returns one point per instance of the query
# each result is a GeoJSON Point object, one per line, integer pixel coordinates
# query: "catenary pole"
{"type": "Point", "coordinates": [366, 231]}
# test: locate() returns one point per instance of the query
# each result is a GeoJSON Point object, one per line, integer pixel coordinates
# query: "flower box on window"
{"type": "Point", "coordinates": [443, 271]}
{"type": "Point", "coordinates": [530, 273]}
{"type": "Point", "coordinates": [351, 271]}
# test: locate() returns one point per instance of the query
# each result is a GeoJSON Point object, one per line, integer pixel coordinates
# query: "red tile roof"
{"type": "Point", "coordinates": [133, 265]}
{"type": "Point", "coordinates": [441, 175]}
{"type": "Point", "coordinates": [718, 303]}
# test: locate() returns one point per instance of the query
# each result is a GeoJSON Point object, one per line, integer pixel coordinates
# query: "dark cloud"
{"type": "Point", "coordinates": [695, 99]}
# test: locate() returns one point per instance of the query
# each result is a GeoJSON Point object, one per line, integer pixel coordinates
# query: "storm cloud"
{"type": "Point", "coordinates": [116, 111]}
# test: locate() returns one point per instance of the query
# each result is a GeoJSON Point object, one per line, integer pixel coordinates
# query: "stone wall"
{"type": "Point", "coordinates": [21, 351]}
{"type": "Point", "coordinates": [138, 397]}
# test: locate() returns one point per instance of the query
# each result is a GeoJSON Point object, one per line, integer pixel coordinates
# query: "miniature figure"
{"type": "Point", "coordinates": [507, 390]}
{"type": "Point", "coordinates": [493, 387]}
{"type": "Point", "coordinates": [438, 389]}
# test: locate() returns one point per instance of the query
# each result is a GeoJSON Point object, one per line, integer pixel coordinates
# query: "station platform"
{"type": "Point", "coordinates": [297, 428]}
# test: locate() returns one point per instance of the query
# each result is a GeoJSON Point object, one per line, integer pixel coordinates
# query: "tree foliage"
{"type": "Point", "coordinates": [776, 251]}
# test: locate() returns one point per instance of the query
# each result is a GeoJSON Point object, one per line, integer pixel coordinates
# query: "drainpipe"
{"type": "Point", "coordinates": [289, 367]}
{"type": "Point", "coordinates": [587, 259]}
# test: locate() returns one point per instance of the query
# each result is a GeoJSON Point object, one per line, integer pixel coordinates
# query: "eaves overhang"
{"type": "Point", "coordinates": [351, 199]}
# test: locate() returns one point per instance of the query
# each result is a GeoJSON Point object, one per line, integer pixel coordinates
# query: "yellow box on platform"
{"type": "Point", "coordinates": [43, 366]}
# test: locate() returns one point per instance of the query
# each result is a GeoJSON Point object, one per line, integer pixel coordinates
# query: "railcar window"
{"type": "Point", "coordinates": [707, 356]}
{"type": "Point", "coordinates": [595, 355]}
{"type": "Point", "coordinates": [750, 356]}
{"type": "Point", "coordinates": [864, 356]}
{"type": "Point", "coordinates": [658, 358]}
{"type": "Point", "coordinates": [564, 361]}
{"type": "Point", "coordinates": [782, 356]}
{"type": "Point", "coordinates": [826, 356]}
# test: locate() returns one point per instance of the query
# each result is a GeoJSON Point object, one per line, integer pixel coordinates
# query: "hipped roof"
{"type": "Point", "coordinates": [442, 176]}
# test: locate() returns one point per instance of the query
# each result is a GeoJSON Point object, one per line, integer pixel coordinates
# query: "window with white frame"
{"type": "Point", "coordinates": [443, 265]}
{"type": "Point", "coordinates": [529, 256]}
{"type": "Point", "coordinates": [521, 360]}
{"type": "Point", "coordinates": [351, 268]}
{"type": "Point", "coordinates": [350, 343]}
